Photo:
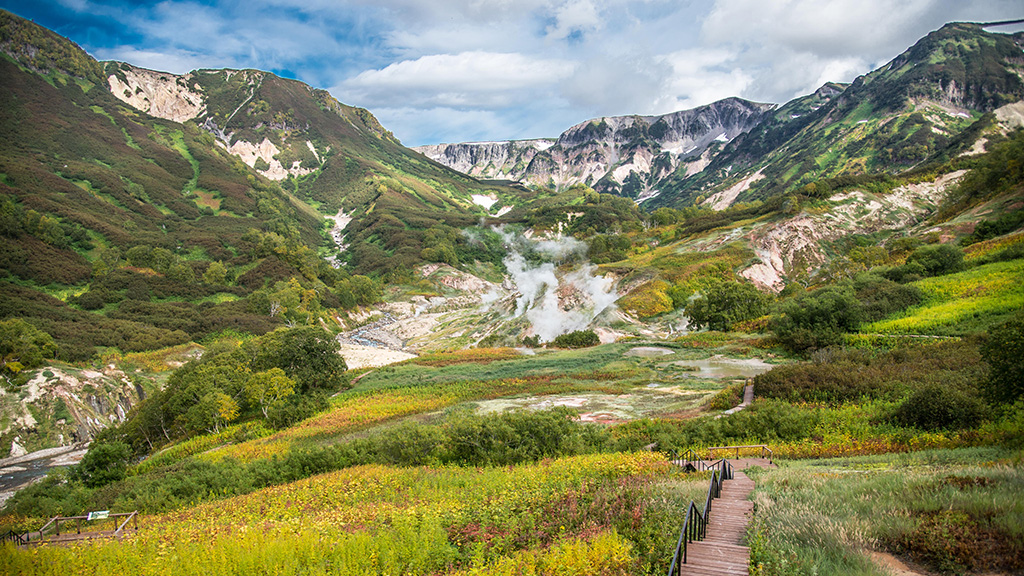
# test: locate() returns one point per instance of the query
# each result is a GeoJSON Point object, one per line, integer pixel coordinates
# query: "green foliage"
{"type": "Point", "coordinates": [725, 303]}
{"type": "Point", "coordinates": [939, 407]}
{"type": "Point", "coordinates": [268, 388]}
{"type": "Point", "coordinates": [577, 339]}
{"type": "Point", "coordinates": [880, 297]}
{"type": "Point", "coordinates": [309, 354]}
{"type": "Point", "coordinates": [280, 377]}
{"type": "Point", "coordinates": [1004, 352]}
{"type": "Point", "coordinates": [988, 229]}
{"type": "Point", "coordinates": [837, 376]}
{"type": "Point", "coordinates": [23, 346]}
{"type": "Point", "coordinates": [105, 462]}
{"type": "Point", "coordinates": [817, 319]}
{"type": "Point", "coordinates": [936, 260]}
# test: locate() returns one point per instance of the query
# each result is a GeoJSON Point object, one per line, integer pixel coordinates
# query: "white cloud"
{"type": "Point", "coordinates": [495, 69]}
{"type": "Point", "coordinates": [467, 80]}
{"type": "Point", "coordinates": [701, 76]}
{"type": "Point", "coordinates": [574, 17]}
{"type": "Point", "coordinates": [175, 62]}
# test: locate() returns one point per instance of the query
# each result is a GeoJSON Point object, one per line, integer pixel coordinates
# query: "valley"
{"type": "Point", "coordinates": [244, 309]}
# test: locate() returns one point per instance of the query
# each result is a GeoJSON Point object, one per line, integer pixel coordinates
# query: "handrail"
{"type": "Point", "coordinates": [40, 536]}
{"type": "Point", "coordinates": [766, 452]}
{"type": "Point", "coordinates": [695, 526]}
{"type": "Point", "coordinates": [11, 536]}
{"type": "Point", "coordinates": [131, 516]}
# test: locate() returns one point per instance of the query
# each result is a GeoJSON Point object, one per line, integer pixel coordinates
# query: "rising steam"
{"type": "Point", "coordinates": [533, 267]}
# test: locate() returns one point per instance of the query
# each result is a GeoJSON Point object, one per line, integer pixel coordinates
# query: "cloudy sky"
{"type": "Point", "coordinates": [470, 70]}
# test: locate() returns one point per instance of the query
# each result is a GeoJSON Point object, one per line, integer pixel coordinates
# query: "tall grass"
{"type": "Point", "coordinates": [953, 510]}
{"type": "Point", "coordinates": [599, 514]}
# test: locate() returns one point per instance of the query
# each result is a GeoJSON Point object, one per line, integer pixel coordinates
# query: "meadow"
{"type": "Point", "coordinates": [953, 511]}
{"type": "Point", "coordinates": [597, 514]}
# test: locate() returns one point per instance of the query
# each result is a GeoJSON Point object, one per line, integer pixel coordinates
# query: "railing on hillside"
{"type": "Point", "coordinates": [765, 451]}
{"type": "Point", "coordinates": [51, 531]}
{"type": "Point", "coordinates": [13, 537]}
{"type": "Point", "coordinates": [695, 526]}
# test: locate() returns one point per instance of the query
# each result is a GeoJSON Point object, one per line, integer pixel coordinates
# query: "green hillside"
{"type": "Point", "coordinates": [928, 103]}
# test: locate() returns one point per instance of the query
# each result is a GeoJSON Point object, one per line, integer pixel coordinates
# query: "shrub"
{"type": "Point", "coordinates": [1004, 352]}
{"type": "Point", "coordinates": [938, 259]}
{"type": "Point", "coordinates": [104, 463]}
{"type": "Point", "coordinates": [938, 407]}
{"type": "Point", "coordinates": [577, 339]}
{"type": "Point", "coordinates": [817, 319]}
{"type": "Point", "coordinates": [725, 303]}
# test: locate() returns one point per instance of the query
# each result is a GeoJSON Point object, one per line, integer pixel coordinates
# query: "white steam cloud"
{"type": "Point", "coordinates": [556, 305]}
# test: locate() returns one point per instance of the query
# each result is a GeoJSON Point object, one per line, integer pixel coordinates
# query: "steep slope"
{"type": "Point", "coordinates": [626, 155]}
{"type": "Point", "coordinates": [332, 156]}
{"type": "Point", "coordinates": [140, 216]}
{"type": "Point", "coordinates": [929, 103]}
{"type": "Point", "coordinates": [924, 104]}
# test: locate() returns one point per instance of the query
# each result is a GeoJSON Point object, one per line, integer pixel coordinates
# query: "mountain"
{"type": "Point", "coordinates": [625, 155]}
{"type": "Point", "coordinates": [925, 104]}
{"type": "Point", "coordinates": [141, 209]}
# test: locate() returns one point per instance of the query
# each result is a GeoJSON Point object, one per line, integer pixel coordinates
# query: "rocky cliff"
{"type": "Point", "coordinates": [627, 155]}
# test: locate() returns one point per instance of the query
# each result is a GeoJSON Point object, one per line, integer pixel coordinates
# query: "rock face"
{"type": "Point", "coordinates": [160, 94]}
{"type": "Point", "coordinates": [626, 155]}
{"type": "Point", "coordinates": [489, 160]}
{"type": "Point", "coordinates": [64, 406]}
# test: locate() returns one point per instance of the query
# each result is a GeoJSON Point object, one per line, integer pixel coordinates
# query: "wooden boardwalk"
{"type": "Point", "coordinates": [722, 552]}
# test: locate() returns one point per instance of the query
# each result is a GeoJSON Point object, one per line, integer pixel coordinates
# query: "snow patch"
{"type": "Point", "coordinates": [485, 201]}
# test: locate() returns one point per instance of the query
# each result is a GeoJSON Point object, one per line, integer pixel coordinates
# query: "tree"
{"type": "Point", "coordinates": [725, 303]}
{"type": "Point", "coordinates": [104, 463]}
{"type": "Point", "coordinates": [216, 273]}
{"type": "Point", "coordinates": [213, 410]}
{"type": "Point", "coordinates": [1004, 352]}
{"type": "Point", "coordinates": [267, 388]}
{"type": "Point", "coordinates": [23, 346]}
{"type": "Point", "coordinates": [817, 319]}
{"type": "Point", "coordinates": [309, 354]}
{"type": "Point", "coordinates": [937, 260]}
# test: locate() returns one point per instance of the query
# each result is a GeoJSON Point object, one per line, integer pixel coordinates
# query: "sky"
{"type": "Point", "coordinates": [437, 71]}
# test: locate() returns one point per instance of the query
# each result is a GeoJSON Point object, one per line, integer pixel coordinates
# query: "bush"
{"type": "Point", "coordinates": [577, 339]}
{"type": "Point", "coordinates": [726, 303]}
{"type": "Point", "coordinates": [104, 463]}
{"type": "Point", "coordinates": [938, 259]}
{"type": "Point", "coordinates": [1004, 352]}
{"type": "Point", "coordinates": [938, 407]}
{"type": "Point", "coordinates": [817, 319]}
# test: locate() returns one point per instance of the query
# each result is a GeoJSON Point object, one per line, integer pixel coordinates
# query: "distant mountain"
{"type": "Point", "coordinates": [626, 155]}
{"type": "Point", "coordinates": [925, 104]}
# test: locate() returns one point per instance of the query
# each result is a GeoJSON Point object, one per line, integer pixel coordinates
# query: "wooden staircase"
{"type": "Point", "coordinates": [722, 552]}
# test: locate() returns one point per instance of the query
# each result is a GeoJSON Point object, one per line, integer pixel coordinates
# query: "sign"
{"type": "Point", "coordinates": [99, 515]}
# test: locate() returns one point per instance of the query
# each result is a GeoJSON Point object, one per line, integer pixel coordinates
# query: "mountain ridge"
{"type": "Point", "coordinates": [934, 91]}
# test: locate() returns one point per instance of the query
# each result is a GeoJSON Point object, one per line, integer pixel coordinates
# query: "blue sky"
{"type": "Point", "coordinates": [470, 70]}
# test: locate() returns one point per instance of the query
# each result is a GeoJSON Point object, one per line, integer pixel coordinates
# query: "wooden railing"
{"type": "Point", "coordinates": [51, 531]}
{"type": "Point", "coordinates": [695, 525]}
{"type": "Point", "coordinates": [763, 449]}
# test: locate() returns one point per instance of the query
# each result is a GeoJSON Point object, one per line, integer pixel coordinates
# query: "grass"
{"type": "Point", "coordinates": [951, 510]}
{"type": "Point", "coordinates": [601, 514]}
{"type": "Point", "coordinates": [960, 303]}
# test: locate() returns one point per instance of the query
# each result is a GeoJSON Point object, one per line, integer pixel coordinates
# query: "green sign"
{"type": "Point", "coordinates": [99, 515]}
